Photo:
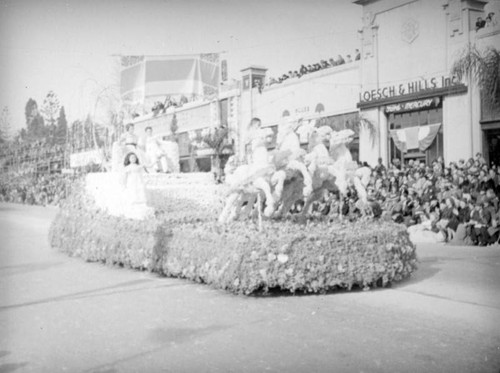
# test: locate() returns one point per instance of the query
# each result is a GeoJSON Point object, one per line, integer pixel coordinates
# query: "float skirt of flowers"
{"type": "Point", "coordinates": [316, 257]}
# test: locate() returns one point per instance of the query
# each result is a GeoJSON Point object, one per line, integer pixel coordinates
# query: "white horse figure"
{"type": "Point", "coordinates": [319, 167]}
{"type": "Point", "coordinates": [247, 181]}
{"type": "Point", "coordinates": [291, 156]}
{"type": "Point", "coordinates": [329, 169]}
{"type": "Point", "coordinates": [345, 167]}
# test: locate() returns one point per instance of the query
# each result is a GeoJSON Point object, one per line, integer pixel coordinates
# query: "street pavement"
{"type": "Point", "coordinates": [61, 314]}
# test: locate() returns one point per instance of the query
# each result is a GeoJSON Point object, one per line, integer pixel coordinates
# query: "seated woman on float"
{"type": "Point", "coordinates": [154, 152]}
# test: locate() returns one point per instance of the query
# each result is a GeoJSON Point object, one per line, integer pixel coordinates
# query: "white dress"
{"type": "Point", "coordinates": [135, 192]}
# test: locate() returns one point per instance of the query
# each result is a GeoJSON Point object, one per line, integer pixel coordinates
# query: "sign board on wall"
{"type": "Point", "coordinates": [408, 88]}
{"type": "Point", "coordinates": [400, 107]}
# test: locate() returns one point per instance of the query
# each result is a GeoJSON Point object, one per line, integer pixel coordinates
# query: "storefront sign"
{"type": "Point", "coordinates": [429, 103]}
{"type": "Point", "coordinates": [408, 88]}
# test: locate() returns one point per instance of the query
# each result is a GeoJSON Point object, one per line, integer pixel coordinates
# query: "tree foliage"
{"type": "Point", "coordinates": [30, 111]}
{"type": "Point", "coordinates": [62, 127]}
{"type": "Point", "coordinates": [5, 128]}
{"type": "Point", "coordinates": [51, 108]}
{"type": "Point", "coordinates": [34, 121]}
{"type": "Point", "coordinates": [483, 66]}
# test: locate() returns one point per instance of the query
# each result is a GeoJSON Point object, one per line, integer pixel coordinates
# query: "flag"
{"type": "Point", "coordinates": [132, 79]}
{"type": "Point", "coordinates": [415, 137]}
{"type": "Point", "coordinates": [160, 76]}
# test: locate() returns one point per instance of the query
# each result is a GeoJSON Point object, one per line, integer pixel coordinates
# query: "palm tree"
{"type": "Point", "coordinates": [217, 140]}
{"type": "Point", "coordinates": [483, 66]}
{"type": "Point", "coordinates": [370, 128]}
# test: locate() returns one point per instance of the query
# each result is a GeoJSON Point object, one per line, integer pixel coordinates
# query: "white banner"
{"type": "Point", "coordinates": [86, 158]}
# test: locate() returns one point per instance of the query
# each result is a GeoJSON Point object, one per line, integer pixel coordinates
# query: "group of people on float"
{"type": "Point", "coordinates": [323, 64]}
{"type": "Point", "coordinates": [152, 152]}
{"type": "Point", "coordinates": [458, 203]}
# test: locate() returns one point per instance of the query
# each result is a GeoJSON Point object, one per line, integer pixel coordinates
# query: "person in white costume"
{"type": "Point", "coordinates": [128, 142]}
{"type": "Point", "coordinates": [155, 153]}
{"type": "Point", "coordinates": [319, 162]}
{"type": "Point", "coordinates": [344, 165]}
{"type": "Point", "coordinates": [291, 155]}
{"type": "Point", "coordinates": [249, 179]}
{"type": "Point", "coordinates": [133, 199]}
{"type": "Point", "coordinates": [135, 192]}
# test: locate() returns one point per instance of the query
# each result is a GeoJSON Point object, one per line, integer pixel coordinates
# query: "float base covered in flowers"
{"type": "Point", "coordinates": [183, 239]}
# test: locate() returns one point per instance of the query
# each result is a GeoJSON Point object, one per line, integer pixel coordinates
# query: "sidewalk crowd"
{"type": "Point", "coordinates": [33, 189]}
{"type": "Point", "coordinates": [458, 202]}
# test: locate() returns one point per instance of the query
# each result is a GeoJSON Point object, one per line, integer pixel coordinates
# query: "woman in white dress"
{"type": "Point", "coordinates": [135, 192]}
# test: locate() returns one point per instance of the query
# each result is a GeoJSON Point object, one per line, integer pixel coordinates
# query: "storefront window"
{"type": "Point", "coordinates": [416, 119]}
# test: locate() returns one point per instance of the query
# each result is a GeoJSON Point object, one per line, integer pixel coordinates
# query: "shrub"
{"type": "Point", "coordinates": [184, 240]}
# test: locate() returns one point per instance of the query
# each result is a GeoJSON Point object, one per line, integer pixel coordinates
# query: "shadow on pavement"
{"type": "Point", "coordinates": [10, 367]}
{"type": "Point", "coordinates": [26, 268]}
{"type": "Point", "coordinates": [165, 337]}
{"type": "Point", "coordinates": [427, 268]}
{"type": "Point", "coordinates": [88, 294]}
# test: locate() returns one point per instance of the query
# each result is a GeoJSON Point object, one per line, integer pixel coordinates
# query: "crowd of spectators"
{"type": "Point", "coordinates": [30, 153]}
{"type": "Point", "coordinates": [457, 203]}
{"type": "Point", "coordinates": [161, 107]}
{"type": "Point", "coordinates": [489, 21]}
{"type": "Point", "coordinates": [35, 189]}
{"type": "Point", "coordinates": [323, 64]}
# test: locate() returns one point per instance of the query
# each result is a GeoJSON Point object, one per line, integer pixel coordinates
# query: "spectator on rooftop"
{"type": "Point", "coordinates": [490, 20]}
{"type": "Point", "coordinates": [480, 23]}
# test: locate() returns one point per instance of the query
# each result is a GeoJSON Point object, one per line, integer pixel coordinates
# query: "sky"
{"type": "Point", "coordinates": [70, 46]}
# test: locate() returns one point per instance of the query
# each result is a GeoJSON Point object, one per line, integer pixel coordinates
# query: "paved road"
{"type": "Point", "coordinates": [60, 314]}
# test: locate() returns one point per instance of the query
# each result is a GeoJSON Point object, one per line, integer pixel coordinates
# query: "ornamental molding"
{"type": "Point", "coordinates": [409, 30]}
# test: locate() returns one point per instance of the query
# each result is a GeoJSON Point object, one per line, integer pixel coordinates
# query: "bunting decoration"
{"type": "Point", "coordinates": [415, 137]}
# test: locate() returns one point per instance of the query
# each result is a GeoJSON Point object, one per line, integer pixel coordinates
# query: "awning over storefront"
{"type": "Point", "coordinates": [415, 137]}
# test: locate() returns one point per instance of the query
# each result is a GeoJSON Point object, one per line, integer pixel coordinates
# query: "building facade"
{"type": "Point", "coordinates": [401, 87]}
{"type": "Point", "coordinates": [422, 112]}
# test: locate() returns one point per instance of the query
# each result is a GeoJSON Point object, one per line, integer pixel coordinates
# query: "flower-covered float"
{"type": "Point", "coordinates": [240, 236]}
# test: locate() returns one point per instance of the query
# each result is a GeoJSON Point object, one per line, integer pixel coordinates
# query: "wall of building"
{"type": "Point", "coordinates": [323, 93]}
{"type": "Point", "coordinates": [407, 46]}
{"type": "Point", "coordinates": [415, 42]}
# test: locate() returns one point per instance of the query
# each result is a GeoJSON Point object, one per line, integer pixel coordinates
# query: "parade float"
{"type": "Point", "coordinates": [240, 236]}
